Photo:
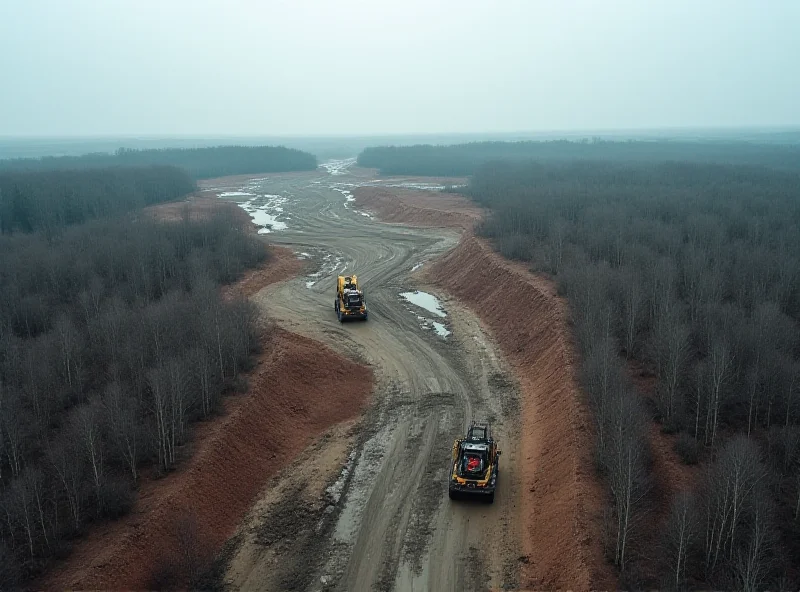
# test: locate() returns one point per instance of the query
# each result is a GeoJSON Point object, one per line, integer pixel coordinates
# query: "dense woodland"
{"type": "Point", "coordinates": [691, 272]}
{"type": "Point", "coordinates": [113, 339]}
{"type": "Point", "coordinates": [200, 163]}
{"type": "Point", "coordinates": [462, 159]}
{"type": "Point", "coordinates": [51, 200]}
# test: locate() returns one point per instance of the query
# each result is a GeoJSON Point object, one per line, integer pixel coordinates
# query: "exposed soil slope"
{"type": "Point", "coordinates": [198, 207]}
{"type": "Point", "coordinates": [562, 507]}
{"type": "Point", "coordinates": [563, 498]}
{"type": "Point", "coordinates": [281, 265]}
{"type": "Point", "coordinates": [420, 208]}
{"type": "Point", "coordinates": [297, 391]}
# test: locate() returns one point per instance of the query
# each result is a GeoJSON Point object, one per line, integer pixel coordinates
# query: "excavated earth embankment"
{"type": "Point", "coordinates": [563, 499]}
{"type": "Point", "coordinates": [563, 504]}
{"type": "Point", "coordinates": [419, 208]}
{"type": "Point", "coordinates": [298, 390]}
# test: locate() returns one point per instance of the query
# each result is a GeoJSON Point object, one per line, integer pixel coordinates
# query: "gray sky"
{"type": "Point", "coordinates": [194, 67]}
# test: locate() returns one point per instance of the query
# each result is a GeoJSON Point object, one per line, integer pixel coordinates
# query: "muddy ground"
{"type": "Point", "coordinates": [381, 519]}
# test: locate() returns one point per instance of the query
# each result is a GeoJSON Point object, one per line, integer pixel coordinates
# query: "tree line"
{"type": "Point", "coordinates": [463, 159]}
{"type": "Point", "coordinates": [50, 200]}
{"type": "Point", "coordinates": [114, 339]}
{"type": "Point", "coordinates": [200, 163]}
{"type": "Point", "coordinates": [691, 271]}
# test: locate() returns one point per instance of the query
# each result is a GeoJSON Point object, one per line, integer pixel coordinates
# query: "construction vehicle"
{"type": "Point", "coordinates": [474, 464]}
{"type": "Point", "coordinates": [350, 302]}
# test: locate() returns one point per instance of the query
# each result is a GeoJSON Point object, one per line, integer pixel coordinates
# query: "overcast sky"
{"type": "Point", "coordinates": [270, 67]}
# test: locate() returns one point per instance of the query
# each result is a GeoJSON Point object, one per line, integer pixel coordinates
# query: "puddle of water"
{"type": "Point", "coordinates": [440, 329]}
{"type": "Point", "coordinates": [424, 300]}
{"type": "Point", "coordinates": [348, 197]}
{"type": "Point", "coordinates": [422, 186]}
{"type": "Point", "coordinates": [266, 214]}
{"type": "Point", "coordinates": [236, 194]}
{"type": "Point", "coordinates": [338, 167]}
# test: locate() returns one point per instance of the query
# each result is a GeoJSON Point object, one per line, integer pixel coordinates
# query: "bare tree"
{"type": "Point", "coordinates": [202, 363]}
{"type": "Point", "coordinates": [680, 534]}
{"type": "Point", "coordinates": [2, 422]}
{"type": "Point", "coordinates": [729, 493]}
{"type": "Point", "coordinates": [720, 366]}
{"type": "Point", "coordinates": [122, 414]}
{"type": "Point", "coordinates": [797, 495]}
{"type": "Point", "coordinates": [699, 394]}
{"type": "Point", "coordinates": [632, 310]}
{"type": "Point", "coordinates": [68, 342]}
{"type": "Point", "coordinates": [88, 427]}
{"type": "Point", "coordinates": [68, 462]}
{"type": "Point", "coordinates": [209, 306]}
{"type": "Point", "coordinates": [557, 239]}
{"type": "Point", "coordinates": [22, 505]}
{"type": "Point", "coordinates": [752, 564]}
{"type": "Point", "coordinates": [15, 431]}
{"type": "Point", "coordinates": [179, 403]}
{"type": "Point", "coordinates": [38, 486]}
{"type": "Point", "coordinates": [603, 379]}
{"type": "Point", "coordinates": [159, 406]}
{"type": "Point", "coordinates": [791, 386]}
{"type": "Point", "coordinates": [27, 503]}
{"type": "Point", "coordinates": [626, 456]}
{"type": "Point", "coordinates": [671, 352]}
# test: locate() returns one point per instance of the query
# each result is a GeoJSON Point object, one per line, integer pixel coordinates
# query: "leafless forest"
{"type": "Point", "coordinates": [114, 339]}
{"type": "Point", "coordinates": [692, 272]}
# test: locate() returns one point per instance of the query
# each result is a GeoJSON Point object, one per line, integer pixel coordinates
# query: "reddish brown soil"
{"type": "Point", "coordinates": [199, 207]}
{"type": "Point", "coordinates": [564, 500]}
{"type": "Point", "coordinates": [281, 265]}
{"type": "Point", "coordinates": [298, 390]}
{"type": "Point", "coordinates": [372, 174]}
{"type": "Point", "coordinates": [420, 208]}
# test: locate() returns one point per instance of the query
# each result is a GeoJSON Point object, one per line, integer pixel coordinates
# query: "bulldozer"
{"type": "Point", "coordinates": [474, 466]}
{"type": "Point", "coordinates": [350, 302]}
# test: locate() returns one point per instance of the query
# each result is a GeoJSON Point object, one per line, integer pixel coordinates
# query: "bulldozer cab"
{"type": "Point", "coordinates": [474, 460]}
{"type": "Point", "coordinates": [348, 282]}
{"type": "Point", "coordinates": [474, 465]}
{"type": "Point", "coordinates": [476, 451]}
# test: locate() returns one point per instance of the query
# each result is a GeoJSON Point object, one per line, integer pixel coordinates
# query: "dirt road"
{"type": "Point", "coordinates": [368, 508]}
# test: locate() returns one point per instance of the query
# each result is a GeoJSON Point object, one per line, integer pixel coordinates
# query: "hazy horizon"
{"type": "Point", "coordinates": [355, 69]}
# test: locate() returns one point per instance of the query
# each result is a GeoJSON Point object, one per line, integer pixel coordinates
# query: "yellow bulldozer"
{"type": "Point", "coordinates": [474, 464]}
{"type": "Point", "coordinates": [350, 302]}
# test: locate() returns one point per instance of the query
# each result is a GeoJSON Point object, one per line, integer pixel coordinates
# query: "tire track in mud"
{"type": "Point", "coordinates": [393, 527]}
